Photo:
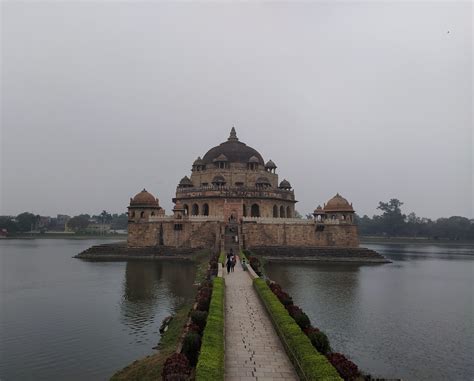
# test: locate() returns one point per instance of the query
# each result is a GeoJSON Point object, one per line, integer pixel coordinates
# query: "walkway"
{"type": "Point", "coordinates": [253, 350]}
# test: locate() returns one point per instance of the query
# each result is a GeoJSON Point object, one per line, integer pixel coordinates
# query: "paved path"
{"type": "Point", "coordinates": [253, 350]}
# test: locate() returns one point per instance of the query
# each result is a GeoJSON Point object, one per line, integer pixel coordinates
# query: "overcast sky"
{"type": "Point", "coordinates": [371, 100]}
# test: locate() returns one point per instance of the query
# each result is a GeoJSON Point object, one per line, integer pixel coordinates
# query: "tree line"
{"type": "Point", "coordinates": [392, 222]}
{"type": "Point", "coordinates": [26, 222]}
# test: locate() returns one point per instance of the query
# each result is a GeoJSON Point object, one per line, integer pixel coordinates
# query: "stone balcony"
{"type": "Point", "coordinates": [235, 192]}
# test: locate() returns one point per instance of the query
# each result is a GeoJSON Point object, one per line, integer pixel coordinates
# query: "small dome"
{"type": "Point", "coordinates": [198, 161]}
{"type": "Point", "coordinates": [262, 181]}
{"type": "Point", "coordinates": [270, 164]}
{"type": "Point", "coordinates": [185, 181]}
{"type": "Point", "coordinates": [221, 157]}
{"type": "Point", "coordinates": [338, 204]}
{"type": "Point", "coordinates": [285, 184]}
{"type": "Point", "coordinates": [254, 159]}
{"type": "Point", "coordinates": [144, 198]}
{"type": "Point", "coordinates": [218, 180]}
{"type": "Point", "coordinates": [318, 210]}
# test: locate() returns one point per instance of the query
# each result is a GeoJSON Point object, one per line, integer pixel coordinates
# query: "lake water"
{"type": "Point", "coordinates": [411, 319]}
{"type": "Point", "coordinates": [66, 319]}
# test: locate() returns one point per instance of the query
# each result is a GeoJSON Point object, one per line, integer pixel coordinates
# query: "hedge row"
{"type": "Point", "coordinates": [210, 364]}
{"type": "Point", "coordinates": [308, 361]}
{"type": "Point", "coordinates": [222, 259]}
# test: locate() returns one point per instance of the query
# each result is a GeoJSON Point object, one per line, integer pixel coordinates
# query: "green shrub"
{"type": "Point", "coordinates": [311, 363]}
{"type": "Point", "coordinates": [199, 318]}
{"type": "Point", "coordinates": [302, 320]}
{"type": "Point", "coordinates": [320, 341]}
{"type": "Point", "coordinates": [191, 345]}
{"type": "Point", "coordinates": [210, 364]}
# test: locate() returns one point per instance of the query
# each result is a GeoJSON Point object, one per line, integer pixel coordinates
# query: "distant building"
{"type": "Point", "coordinates": [231, 185]}
{"type": "Point", "coordinates": [3, 233]}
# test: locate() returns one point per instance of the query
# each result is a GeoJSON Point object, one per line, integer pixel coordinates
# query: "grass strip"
{"type": "Point", "coordinates": [309, 363]}
{"type": "Point", "coordinates": [210, 365]}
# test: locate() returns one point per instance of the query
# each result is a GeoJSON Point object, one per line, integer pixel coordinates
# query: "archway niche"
{"type": "Point", "coordinates": [186, 209]}
{"type": "Point", "coordinates": [288, 212]}
{"type": "Point", "coordinates": [282, 211]}
{"type": "Point", "coordinates": [205, 209]}
{"type": "Point", "coordinates": [275, 211]}
{"type": "Point", "coordinates": [195, 210]}
{"type": "Point", "coordinates": [255, 211]}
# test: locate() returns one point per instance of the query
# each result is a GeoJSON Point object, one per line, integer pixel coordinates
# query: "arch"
{"type": "Point", "coordinates": [275, 211]}
{"type": "Point", "coordinates": [255, 210]}
{"type": "Point", "coordinates": [205, 209]}
{"type": "Point", "coordinates": [288, 212]}
{"type": "Point", "coordinates": [152, 213]}
{"type": "Point", "coordinates": [244, 211]}
{"type": "Point", "coordinates": [142, 214]}
{"type": "Point", "coordinates": [282, 211]}
{"type": "Point", "coordinates": [186, 209]}
{"type": "Point", "coordinates": [195, 210]}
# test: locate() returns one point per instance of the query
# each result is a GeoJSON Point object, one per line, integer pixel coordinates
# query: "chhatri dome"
{"type": "Point", "coordinates": [338, 204]}
{"type": "Point", "coordinates": [144, 198]}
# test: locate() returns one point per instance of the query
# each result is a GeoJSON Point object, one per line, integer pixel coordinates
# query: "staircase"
{"type": "Point", "coordinates": [231, 231]}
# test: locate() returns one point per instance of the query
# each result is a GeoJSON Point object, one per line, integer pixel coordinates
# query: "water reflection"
{"type": "Point", "coordinates": [150, 287]}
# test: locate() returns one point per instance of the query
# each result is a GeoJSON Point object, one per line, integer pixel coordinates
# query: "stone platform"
{"type": "Point", "coordinates": [319, 254]}
{"type": "Point", "coordinates": [120, 252]}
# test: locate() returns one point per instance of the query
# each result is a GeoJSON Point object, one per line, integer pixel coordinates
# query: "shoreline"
{"type": "Point", "coordinates": [409, 241]}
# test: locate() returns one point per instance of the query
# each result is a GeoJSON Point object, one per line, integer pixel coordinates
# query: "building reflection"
{"type": "Point", "coordinates": [152, 290]}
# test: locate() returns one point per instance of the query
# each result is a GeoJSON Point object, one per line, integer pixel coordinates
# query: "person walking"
{"type": "Point", "coordinates": [229, 263]}
{"type": "Point", "coordinates": [234, 261]}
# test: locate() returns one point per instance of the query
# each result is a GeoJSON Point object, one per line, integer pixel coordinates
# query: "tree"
{"type": "Point", "coordinates": [78, 223]}
{"type": "Point", "coordinates": [297, 214]}
{"type": "Point", "coordinates": [26, 221]}
{"type": "Point", "coordinates": [105, 217]}
{"type": "Point", "coordinates": [392, 219]}
{"type": "Point", "coordinates": [7, 222]}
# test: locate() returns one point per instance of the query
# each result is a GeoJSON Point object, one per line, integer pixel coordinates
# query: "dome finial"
{"type": "Point", "coordinates": [233, 135]}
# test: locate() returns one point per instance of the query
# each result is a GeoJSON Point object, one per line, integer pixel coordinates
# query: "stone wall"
{"type": "Point", "coordinates": [175, 233]}
{"type": "Point", "coordinates": [304, 234]}
{"type": "Point", "coordinates": [193, 234]}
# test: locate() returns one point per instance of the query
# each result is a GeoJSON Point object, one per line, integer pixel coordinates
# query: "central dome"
{"type": "Point", "coordinates": [233, 150]}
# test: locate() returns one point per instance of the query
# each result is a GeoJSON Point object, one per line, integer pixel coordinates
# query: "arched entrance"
{"type": "Point", "coordinates": [205, 209]}
{"type": "Point", "coordinates": [255, 211]}
{"type": "Point", "coordinates": [195, 210]}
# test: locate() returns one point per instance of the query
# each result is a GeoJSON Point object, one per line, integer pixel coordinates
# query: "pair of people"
{"type": "Point", "coordinates": [231, 260]}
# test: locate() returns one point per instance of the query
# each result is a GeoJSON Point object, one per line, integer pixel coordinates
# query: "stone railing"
{"type": "Point", "coordinates": [238, 192]}
{"type": "Point", "coordinates": [200, 218]}
{"type": "Point", "coordinates": [270, 220]}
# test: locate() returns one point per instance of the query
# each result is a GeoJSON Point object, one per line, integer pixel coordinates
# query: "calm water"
{"type": "Point", "coordinates": [65, 319]}
{"type": "Point", "coordinates": [411, 319]}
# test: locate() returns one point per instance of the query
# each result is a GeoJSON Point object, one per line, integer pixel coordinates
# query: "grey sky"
{"type": "Point", "coordinates": [371, 100]}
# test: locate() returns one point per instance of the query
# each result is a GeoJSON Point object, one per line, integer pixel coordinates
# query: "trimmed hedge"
{"type": "Point", "coordinates": [307, 359]}
{"type": "Point", "coordinates": [210, 364]}
{"type": "Point", "coordinates": [222, 259]}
